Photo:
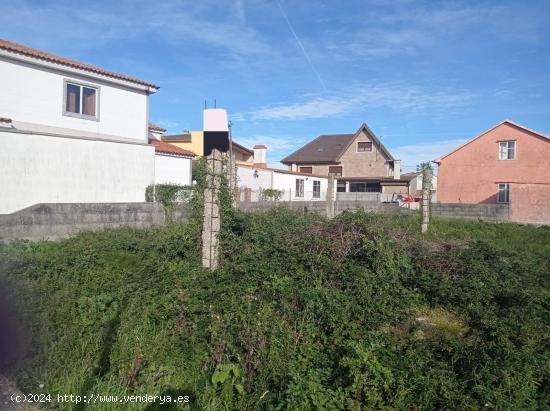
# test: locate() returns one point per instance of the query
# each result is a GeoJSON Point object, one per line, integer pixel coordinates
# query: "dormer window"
{"type": "Point", "coordinates": [81, 100]}
{"type": "Point", "coordinates": [507, 150]}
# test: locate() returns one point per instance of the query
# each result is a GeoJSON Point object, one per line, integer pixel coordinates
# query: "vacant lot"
{"type": "Point", "coordinates": [359, 312]}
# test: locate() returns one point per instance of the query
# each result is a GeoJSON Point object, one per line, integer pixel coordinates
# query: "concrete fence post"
{"type": "Point", "coordinates": [211, 217]}
{"type": "Point", "coordinates": [330, 197]}
{"type": "Point", "coordinates": [426, 197]}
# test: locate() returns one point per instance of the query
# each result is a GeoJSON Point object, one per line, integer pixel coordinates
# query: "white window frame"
{"type": "Point", "coordinates": [506, 189]}
{"type": "Point", "coordinates": [316, 193]}
{"type": "Point", "coordinates": [363, 151]}
{"type": "Point", "coordinates": [506, 146]}
{"type": "Point", "coordinates": [299, 187]}
{"type": "Point", "coordinates": [81, 85]}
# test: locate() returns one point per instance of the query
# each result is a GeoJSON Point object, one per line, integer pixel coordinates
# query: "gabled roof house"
{"type": "Point", "coordinates": [506, 164]}
{"type": "Point", "coordinates": [359, 162]}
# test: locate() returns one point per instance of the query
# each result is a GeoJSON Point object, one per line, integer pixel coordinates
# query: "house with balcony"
{"type": "Point", "coordinates": [507, 164]}
{"type": "Point", "coordinates": [71, 132]}
{"type": "Point", "coordinates": [359, 162]}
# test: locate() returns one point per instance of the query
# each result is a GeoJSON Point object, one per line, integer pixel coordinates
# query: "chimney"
{"type": "Point", "coordinates": [260, 156]}
{"type": "Point", "coordinates": [396, 169]}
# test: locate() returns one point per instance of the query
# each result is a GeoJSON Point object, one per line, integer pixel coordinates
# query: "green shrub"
{"type": "Point", "coordinates": [304, 313]}
{"type": "Point", "coordinates": [270, 194]}
{"type": "Point", "coordinates": [167, 194]}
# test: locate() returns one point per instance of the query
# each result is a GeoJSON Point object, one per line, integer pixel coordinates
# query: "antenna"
{"type": "Point", "coordinates": [215, 106]}
{"type": "Point", "coordinates": [205, 105]}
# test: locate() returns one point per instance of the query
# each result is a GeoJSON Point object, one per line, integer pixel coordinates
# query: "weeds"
{"type": "Point", "coordinates": [304, 313]}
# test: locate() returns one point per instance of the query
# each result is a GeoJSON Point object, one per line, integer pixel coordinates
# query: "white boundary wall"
{"type": "Point", "coordinates": [172, 169]}
{"type": "Point", "coordinates": [46, 169]}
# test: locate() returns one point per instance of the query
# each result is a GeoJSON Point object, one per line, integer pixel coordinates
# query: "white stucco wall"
{"type": "Point", "coordinates": [34, 94]}
{"type": "Point", "coordinates": [279, 181]}
{"type": "Point", "coordinates": [287, 183]}
{"type": "Point", "coordinates": [172, 170]}
{"type": "Point", "coordinates": [246, 179]}
{"type": "Point", "coordinates": [44, 169]}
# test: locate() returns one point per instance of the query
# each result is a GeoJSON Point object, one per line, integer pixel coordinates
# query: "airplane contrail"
{"type": "Point", "coordinates": [301, 46]}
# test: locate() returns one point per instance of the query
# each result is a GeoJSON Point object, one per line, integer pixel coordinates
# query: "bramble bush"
{"type": "Point", "coordinates": [357, 312]}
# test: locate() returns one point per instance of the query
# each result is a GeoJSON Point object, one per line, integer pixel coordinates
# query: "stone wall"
{"type": "Point", "coordinates": [54, 221]}
{"type": "Point", "coordinates": [321, 206]}
{"type": "Point", "coordinates": [486, 212]}
{"type": "Point", "coordinates": [59, 220]}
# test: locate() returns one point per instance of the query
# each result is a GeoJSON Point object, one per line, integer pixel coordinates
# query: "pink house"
{"type": "Point", "coordinates": [506, 164]}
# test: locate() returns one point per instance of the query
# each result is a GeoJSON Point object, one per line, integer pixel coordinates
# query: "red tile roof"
{"type": "Point", "coordinates": [162, 147]}
{"type": "Point", "coordinates": [42, 55]}
{"type": "Point", "coordinates": [154, 127]}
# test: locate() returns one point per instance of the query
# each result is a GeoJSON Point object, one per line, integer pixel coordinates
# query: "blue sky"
{"type": "Point", "coordinates": [423, 75]}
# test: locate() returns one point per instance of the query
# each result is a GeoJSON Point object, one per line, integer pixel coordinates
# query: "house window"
{"type": "Point", "coordinates": [365, 188]}
{"type": "Point", "coordinates": [80, 101]}
{"type": "Point", "coordinates": [317, 189]}
{"type": "Point", "coordinates": [503, 195]}
{"type": "Point", "coordinates": [335, 171]}
{"type": "Point", "coordinates": [363, 146]}
{"type": "Point", "coordinates": [507, 150]}
{"type": "Point", "coordinates": [299, 187]}
{"type": "Point", "coordinates": [341, 187]}
{"type": "Point", "coordinates": [306, 170]}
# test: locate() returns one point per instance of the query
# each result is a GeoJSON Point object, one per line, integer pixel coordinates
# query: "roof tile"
{"type": "Point", "coordinates": [162, 147]}
{"type": "Point", "coordinates": [42, 55]}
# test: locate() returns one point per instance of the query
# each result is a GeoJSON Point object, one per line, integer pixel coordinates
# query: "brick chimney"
{"type": "Point", "coordinates": [396, 169]}
{"type": "Point", "coordinates": [260, 156]}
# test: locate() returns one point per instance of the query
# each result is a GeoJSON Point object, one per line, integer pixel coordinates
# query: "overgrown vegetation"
{"type": "Point", "coordinates": [271, 194]}
{"type": "Point", "coordinates": [167, 194]}
{"type": "Point", "coordinates": [358, 312]}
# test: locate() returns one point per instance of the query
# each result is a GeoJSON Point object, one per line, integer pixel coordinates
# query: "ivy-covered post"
{"type": "Point", "coordinates": [426, 195]}
{"type": "Point", "coordinates": [211, 217]}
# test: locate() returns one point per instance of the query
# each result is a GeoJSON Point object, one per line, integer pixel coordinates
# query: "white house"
{"type": "Point", "coordinates": [295, 186]}
{"type": "Point", "coordinates": [71, 132]}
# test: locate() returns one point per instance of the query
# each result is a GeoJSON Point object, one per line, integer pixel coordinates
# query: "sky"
{"type": "Point", "coordinates": [424, 75]}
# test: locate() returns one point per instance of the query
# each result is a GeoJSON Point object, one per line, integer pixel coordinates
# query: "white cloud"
{"type": "Point", "coordinates": [414, 154]}
{"type": "Point", "coordinates": [397, 97]}
{"type": "Point", "coordinates": [393, 29]}
{"type": "Point", "coordinates": [167, 124]}
{"type": "Point", "coordinates": [274, 144]}
{"type": "Point", "coordinates": [93, 23]}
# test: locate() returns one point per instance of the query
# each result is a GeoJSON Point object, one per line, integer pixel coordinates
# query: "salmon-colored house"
{"type": "Point", "coordinates": [507, 164]}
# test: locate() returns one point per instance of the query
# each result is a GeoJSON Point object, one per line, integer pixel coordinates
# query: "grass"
{"type": "Point", "coordinates": [360, 312]}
